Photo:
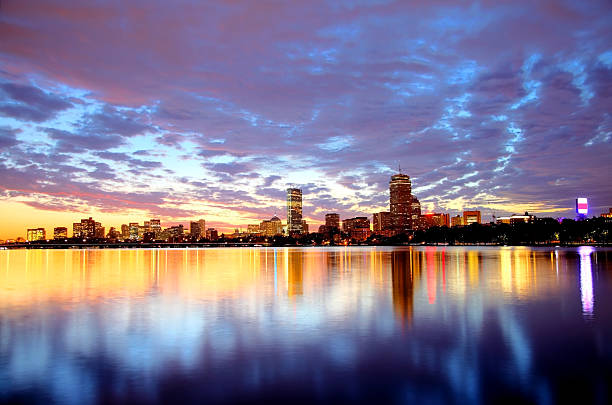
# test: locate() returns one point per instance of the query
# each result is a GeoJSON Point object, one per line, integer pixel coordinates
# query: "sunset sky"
{"type": "Point", "coordinates": [182, 110]}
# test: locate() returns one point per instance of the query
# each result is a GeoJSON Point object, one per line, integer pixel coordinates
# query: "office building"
{"type": "Point", "coordinates": [34, 234]}
{"type": "Point", "coordinates": [125, 231]}
{"type": "Point", "coordinates": [415, 214]}
{"type": "Point", "coordinates": [60, 232]}
{"type": "Point", "coordinates": [607, 214]}
{"type": "Point", "coordinates": [99, 231]}
{"type": "Point", "coordinates": [271, 227]}
{"type": "Point", "coordinates": [434, 219]}
{"type": "Point", "coordinates": [516, 219]}
{"type": "Point", "coordinates": [212, 234]}
{"type": "Point", "coordinates": [304, 226]}
{"type": "Point", "coordinates": [134, 230]}
{"type": "Point", "coordinates": [400, 201]}
{"type": "Point", "coordinates": [195, 232]}
{"type": "Point", "coordinates": [155, 227]}
{"type": "Point", "coordinates": [358, 228]}
{"type": "Point", "coordinates": [471, 217]}
{"type": "Point", "coordinates": [294, 211]}
{"type": "Point", "coordinates": [253, 228]}
{"type": "Point", "coordinates": [382, 222]}
{"type": "Point", "coordinates": [77, 230]}
{"type": "Point", "coordinates": [457, 220]}
{"type": "Point", "coordinates": [332, 221]}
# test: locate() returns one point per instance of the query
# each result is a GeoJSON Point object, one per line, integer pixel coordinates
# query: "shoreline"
{"type": "Point", "coordinates": [196, 245]}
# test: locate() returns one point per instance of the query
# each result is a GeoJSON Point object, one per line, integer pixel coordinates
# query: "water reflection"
{"type": "Point", "coordinates": [433, 324]}
{"type": "Point", "coordinates": [586, 280]}
{"type": "Point", "coordinates": [402, 285]}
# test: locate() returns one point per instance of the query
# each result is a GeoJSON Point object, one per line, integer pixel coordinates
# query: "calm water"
{"type": "Point", "coordinates": [291, 325]}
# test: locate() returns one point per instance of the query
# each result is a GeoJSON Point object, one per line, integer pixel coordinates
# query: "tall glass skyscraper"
{"type": "Point", "coordinates": [400, 199]}
{"type": "Point", "coordinates": [294, 210]}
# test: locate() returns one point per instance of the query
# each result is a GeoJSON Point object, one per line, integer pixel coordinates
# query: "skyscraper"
{"type": "Point", "coordinates": [332, 221]}
{"type": "Point", "coordinates": [294, 210]}
{"type": "Point", "coordinates": [400, 201]}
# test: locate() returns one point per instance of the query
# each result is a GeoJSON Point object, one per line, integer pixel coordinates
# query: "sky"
{"type": "Point", "coordinates": [181, 110]}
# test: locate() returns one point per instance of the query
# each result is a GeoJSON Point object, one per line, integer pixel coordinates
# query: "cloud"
{"type": "Point", "coordinates": [29, 103]}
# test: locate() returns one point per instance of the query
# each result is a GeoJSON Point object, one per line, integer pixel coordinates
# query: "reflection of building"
{"type": "Point", "coordinates": [358, 228]}
{"type": "Point", "coordinates": [402, 285]}
{"type": "Point", "coordinates": [400, 201]}
{"type": "Point", "coordinates": [271, 227]}
{"type": "Point", "coordinates": [34, 234]}
{"type": "Point", "coordinates": [294, 211]}
{"type": "Point", "coordinates": [295, 273]}
{"type": "Point", "coordinates": [60, 232]}
{"type": "Point", "coordinates": [471, 217]}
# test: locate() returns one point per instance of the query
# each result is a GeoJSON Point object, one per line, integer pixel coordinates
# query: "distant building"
{"type": "Point", "coordinates": [607, 214]}
{"type": "Point", "coordinates": [358, 228]}
{"type": "Point", "coordinates": [253, 228]}
{"type": "Point", "coordinates": [34, 234]}
{"type": "Point", "coordinates": [155, 227]}
{"type": "Point", "coordinates": [99, 231]}
{"type": "Point", "coordinates": [516, 219]}
{"type": "Point", "coordinates": [433, 219]}
{"type": "Point", "coordinates": [415, 214]}
{"type": "Point", "coordinates": [134, 230]}
{"type": "Point", "coordinates": [60, 232]}
{"type": "Point", "coordinates": [77, 230]}
{"type": "Point", "coordinates": [125, 231]}
{"type": "Point", "coordinates": [332, 221]}
{"type": "Point", "coordinates": [195, 232]}
{"type": "Point", "coordinates": [400, 202]}
{"type": "Point", "coordinates": [304, 226]}
{"type": "Point", "coordinates": [113, 233]}
{"type": "Point", "coordinates": [457, 220]}
{"type": "Point", "coordinates": [212, 234]}
{"type": "Point", "coordinates": [294, 211]}
{"type": "Point", "coordinates": [471, 217]}
{"type": "Point", "coordinates": [271, 227]}
{"type": "Point", "coordinates": [381, 222]}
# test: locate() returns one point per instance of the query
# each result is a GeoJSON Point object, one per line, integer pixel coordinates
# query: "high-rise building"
{"type": "Point", "coordinates": [195, 231]}
{"type": "Point", "coordinates": [34, 234]}
{"type": "Point", "coordinates": [382, 222]}
{"type": "Point", "coordinates": [358, 228]}
{"type": "Point", "coordinates": [400, 201]}
{"type": "Point", "coordinates": [77, 230]}
{"type": "Point", "coordinates": [433, 219]}
{"type": "Point", "coordinates": [99, 231]}
{"type": "Point", "coordinates": [125, 231]}
{"type": "Point", "coordinates": [471, 217]}
{"type": "Point", "coordinates": [332, 221]}
{"type": "Point", "coordinates": [88, 227]}
{"type": "Point", "coordinates": [457, 220]}
{"type": "Point", "coordinates": [304, 226]}
{"type": "Point", "coordinates": [294, 211]}
{"type": "Point", "coordinates": [60, 232]}
{"type": "Point", "coordinates": [134, 230]}
{"type": "Point", "coordinates": [415, 215]}
{"type": "Point", "coordinates": [155, 227]}
{"type": "Point", "coordinates": [212, 234]}
{"type": "Point", "coordinates": [271, 227]}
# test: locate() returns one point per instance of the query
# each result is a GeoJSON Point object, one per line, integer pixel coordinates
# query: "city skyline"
{"type": "Point", "coordinates": [499, 107]}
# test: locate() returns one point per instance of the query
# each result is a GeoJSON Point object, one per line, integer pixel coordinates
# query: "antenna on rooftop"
{"type": "Point", "coordinates": [399, 168]}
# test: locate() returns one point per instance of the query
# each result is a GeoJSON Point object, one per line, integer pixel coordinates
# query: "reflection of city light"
{"type": "Point", "coordinates": [586, 279]}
